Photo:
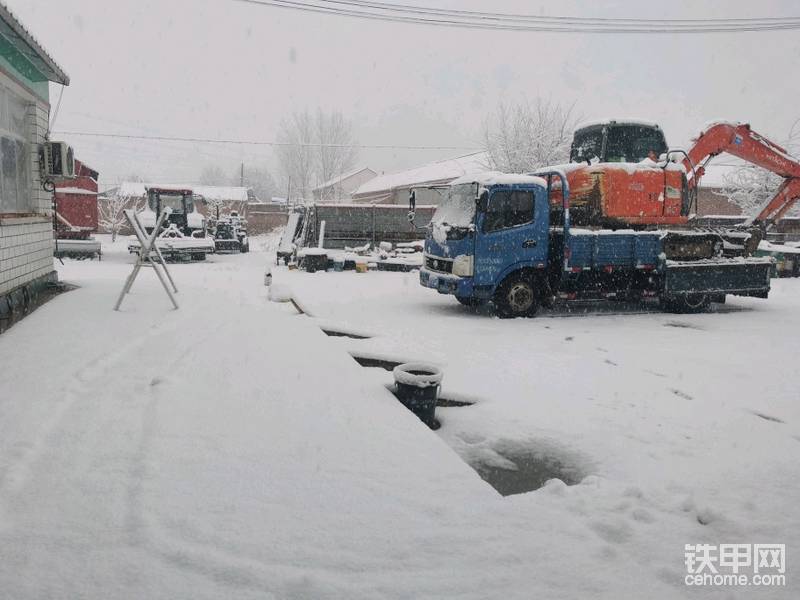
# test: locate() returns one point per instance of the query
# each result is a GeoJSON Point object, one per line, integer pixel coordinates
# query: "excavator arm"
{"type": "Point", "coordinates": [741, 141]}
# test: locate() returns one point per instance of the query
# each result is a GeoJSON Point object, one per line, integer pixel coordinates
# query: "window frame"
{"type": "Point", "coordinates": [24, 204]}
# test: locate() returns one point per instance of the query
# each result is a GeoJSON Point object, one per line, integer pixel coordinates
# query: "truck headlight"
{"type": "Point", "coordinates": [462, 265]}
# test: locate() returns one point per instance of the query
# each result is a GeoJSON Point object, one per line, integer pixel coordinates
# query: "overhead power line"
{"type": "Point", "coordinates": [165, 138]}
{"type": "Point", "coordinates": [419, 15]}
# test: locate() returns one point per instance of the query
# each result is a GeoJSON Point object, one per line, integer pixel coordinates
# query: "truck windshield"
{"type": "Point", "coordinates": [457, 208]}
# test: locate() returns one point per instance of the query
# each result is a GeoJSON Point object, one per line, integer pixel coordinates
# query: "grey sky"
{"type": "Point", "coordinates": [223, 69]}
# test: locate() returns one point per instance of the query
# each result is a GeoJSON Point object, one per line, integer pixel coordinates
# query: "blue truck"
{"type": "Point", "coordinates": [497, 238]}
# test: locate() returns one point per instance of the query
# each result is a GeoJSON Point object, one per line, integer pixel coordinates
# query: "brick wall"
{"type": "Point", "coordinates": [26, 243]}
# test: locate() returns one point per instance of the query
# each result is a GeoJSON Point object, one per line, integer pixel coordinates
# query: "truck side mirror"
{"type": "Point", "coordinates": [412, 205]}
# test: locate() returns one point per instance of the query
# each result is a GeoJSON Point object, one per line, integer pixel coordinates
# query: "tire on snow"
{"type": "Point", "coordinates": [516, 297]}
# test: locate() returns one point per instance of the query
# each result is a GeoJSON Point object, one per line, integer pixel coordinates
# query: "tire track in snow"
{"type": "Point", "coordinates": [18, 473]}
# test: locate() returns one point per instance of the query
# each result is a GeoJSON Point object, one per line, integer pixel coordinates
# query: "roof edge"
{"type": "Point", "coordinates": [59, 75]}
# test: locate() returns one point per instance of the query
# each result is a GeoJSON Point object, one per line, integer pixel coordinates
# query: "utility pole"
{"type": "Point", "coordinates": [241, 178]}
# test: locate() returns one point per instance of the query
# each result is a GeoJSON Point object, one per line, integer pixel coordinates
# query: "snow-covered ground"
{"type": "Point", "coordinates": [232, 449]}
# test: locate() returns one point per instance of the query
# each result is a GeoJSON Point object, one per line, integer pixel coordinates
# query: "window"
{"type": "Point", "coordinates": [15, 179]}
{"type": "Point", "coordinates": [631, 143]}
{"type": "Point", "coordinates": [588, 144]}
{"type": "Point", "coordinates": [508, 209]}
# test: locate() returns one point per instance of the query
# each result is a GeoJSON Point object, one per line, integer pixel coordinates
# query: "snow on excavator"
{"type": "Point", "coordinates": [623, 174]}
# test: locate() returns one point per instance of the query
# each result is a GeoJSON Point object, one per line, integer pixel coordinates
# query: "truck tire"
{"type": "Point", "coordinates": [516, 297]}
{"type": "Point", "coordinates": [686, 303]}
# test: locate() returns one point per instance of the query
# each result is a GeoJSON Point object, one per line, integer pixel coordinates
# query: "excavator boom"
{"type": "Point", "coordinates": [741, 141]}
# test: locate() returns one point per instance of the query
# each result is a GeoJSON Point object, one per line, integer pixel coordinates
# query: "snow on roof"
{"type": "Point", "coordinates": [74, 190]}
{"type": "Point", "coordinates": [342, 177]}
{"type": "Point", "coordinates": [498, 178]}
{"type": "Point", "coordinates": [596, 122]}
{"type": "Point", "coordinates": [23, 40]}
{"type": "Point", "coordinates": [442, 171]}
{"type": "Point", "coordinates": [215, 192]}
{"type": "Point", "coordinates": [133, 189]}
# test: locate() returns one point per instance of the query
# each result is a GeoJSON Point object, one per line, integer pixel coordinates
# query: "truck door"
{"type": "Point", "coordinates": [512, 232]}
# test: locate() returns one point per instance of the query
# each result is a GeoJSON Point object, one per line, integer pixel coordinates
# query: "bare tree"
{"type": "Point", "coordinates": [528, 135]}
{"type": "Point", "coordinates": [296, 152]}
{"type": "Point", "coordinates": [111, 215]}
{"type": "Point", "coordinates": [336, 152]}
{"type": "Point", "coordinates": [314, 149]}
{"type": "Point", "coordinates": [214, 175]}
{"type": "Point", "coordinates": [751, 187]}
{"type": "Point", "coordinates": [260, 181]}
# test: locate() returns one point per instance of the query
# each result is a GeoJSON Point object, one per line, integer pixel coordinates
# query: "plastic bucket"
{"type": "Point", "coordinates": [315, 262]}
{"type": "Point", "coordinates": [417, 387]}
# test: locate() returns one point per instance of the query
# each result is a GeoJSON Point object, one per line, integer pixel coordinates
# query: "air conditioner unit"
{"type": "Point", "coordinates": [58, 160]}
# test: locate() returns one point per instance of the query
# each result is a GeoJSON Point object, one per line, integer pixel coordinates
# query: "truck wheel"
{"type": "Point", "coordinates": [516, 297]}
{"type": "Point", "coordinates": [686, 303]}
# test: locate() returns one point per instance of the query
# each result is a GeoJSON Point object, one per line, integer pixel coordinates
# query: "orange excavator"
{"type": "Point", "coordinates": [622, 174]}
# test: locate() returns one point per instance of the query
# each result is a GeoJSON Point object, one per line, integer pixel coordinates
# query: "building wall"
{"type": "Point", "coordinates": [26, 241]}
{"type": "Point", "coordinates": [710, 201]}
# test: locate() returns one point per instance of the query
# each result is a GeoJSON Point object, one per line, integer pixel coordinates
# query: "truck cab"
{"type": "Point", "coordinates": [485, 229]}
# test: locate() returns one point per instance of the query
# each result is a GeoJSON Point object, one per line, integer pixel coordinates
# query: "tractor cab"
{"type": "Point", "coordinates": [617, 141]}
{"type": "Point", "coordinates": [183, 215]}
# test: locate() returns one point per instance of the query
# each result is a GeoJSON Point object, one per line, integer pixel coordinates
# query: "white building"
{"type": "Point", "coordinates": [393, 188]}
{"type": "Point", "coordinates": [26, 221]}
{"type": "Point", "coordinates": [341, 188]}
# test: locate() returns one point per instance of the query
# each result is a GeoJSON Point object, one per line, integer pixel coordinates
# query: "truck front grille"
{"type": "Point", "coordinates": [442, 265]}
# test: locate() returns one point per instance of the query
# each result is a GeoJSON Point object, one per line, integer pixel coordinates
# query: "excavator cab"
{"type": "Point", "coordinates": [617, 141]}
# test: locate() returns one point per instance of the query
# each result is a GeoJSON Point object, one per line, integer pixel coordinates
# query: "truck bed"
{"type": "Point", "coordinates": [738, 276]}
{"type": "Point", "coordinates": [615, 249]}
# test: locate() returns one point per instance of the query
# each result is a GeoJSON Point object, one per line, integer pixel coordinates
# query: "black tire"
{"type": "Point", "coordinates": [473, 302]}
{"type": "Point", "coordinates": [516, 297]}
{"type": "Point", "coordinates": [199, 256]}
{"type": "Point", "coordinates": [686, 303]}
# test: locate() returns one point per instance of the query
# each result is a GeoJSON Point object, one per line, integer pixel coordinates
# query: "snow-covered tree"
{"type": "Point", "coordinates": [110, 212]}
{"type": "Point", "coordinates": [528, 135]}
{"type": "Point", "coordinates": [314, 148]}
{"type": "Point", "coordinates": [751, 187]}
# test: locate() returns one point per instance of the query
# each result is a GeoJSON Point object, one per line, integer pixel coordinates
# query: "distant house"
{"type": "Point", "coordinates": [394, 188]}
{"type": "Point", "coordinates": [341, 188]}
{"type": "Point", "coordinates": [26, 219]}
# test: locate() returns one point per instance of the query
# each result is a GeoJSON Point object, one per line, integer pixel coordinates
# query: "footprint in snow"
{"type": "Point", "coordinates": [610, 362]}
{"type": "Point", "coordinates": [681, 394]}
